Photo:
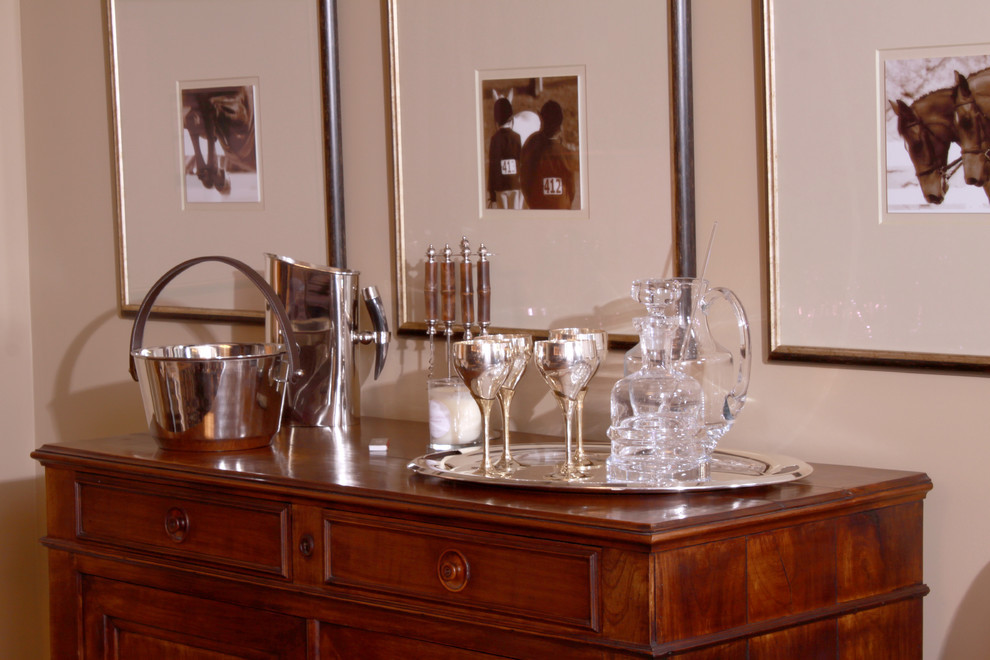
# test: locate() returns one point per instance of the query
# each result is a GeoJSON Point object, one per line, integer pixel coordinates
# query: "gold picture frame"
{"type": "Point", "coordinates": [285, 70]}
{"type": "Point", "coordinates": [849, 283]}
{"type": "Point", "coordinates": [637, 220]}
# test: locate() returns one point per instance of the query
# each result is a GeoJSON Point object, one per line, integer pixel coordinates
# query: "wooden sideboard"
{"type": "Point", "coordinates": [316, 547]}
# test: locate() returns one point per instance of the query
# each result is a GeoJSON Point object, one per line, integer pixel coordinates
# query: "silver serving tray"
{"type": "Point", "coordinates": [730, 468]}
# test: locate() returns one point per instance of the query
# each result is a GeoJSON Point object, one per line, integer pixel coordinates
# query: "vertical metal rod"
{"type": "Point", "coordinates": [685, 249]}
{"type": "Point", "coordinates": [333, 156]}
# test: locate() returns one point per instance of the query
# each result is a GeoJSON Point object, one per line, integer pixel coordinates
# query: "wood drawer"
{"type": "Point", "coordinates": [239, 534]}
{"type": "Point", "coordinates": [131, 621]}
{"type": "Point", "coordinates": [343, 642]}
{"type": "Point", "coordinates": [549, 582]}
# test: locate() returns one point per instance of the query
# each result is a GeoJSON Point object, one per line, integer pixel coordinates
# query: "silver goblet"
{"type": "Point", "coordinates": [600, 337]}
{"type": "Point", "coordinates": [522, 352]}
{"type": "Point", "coordinates": [567, 365]}
{"type": "Point", "coordinates": [483, 365]}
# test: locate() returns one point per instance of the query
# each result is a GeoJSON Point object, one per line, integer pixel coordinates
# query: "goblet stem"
{"type": "Point", "coordinates": [505, 465]}
{"type": "Point", "coordinates": [505, 400]}
{"type": "Point", "coordinates": [570, 406]}
{"type": "Point", "coordinates": [580, 457]}
{"type": "Point", "coordinates": [568, 469]}
{"type": "Point", "coordinates": [486, 417]}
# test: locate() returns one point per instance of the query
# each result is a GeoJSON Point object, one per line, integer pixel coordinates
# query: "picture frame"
{"type": "Point", "coordinates": [236, 176]}
{"type": "Point", "coordinates": [175, 81]}
{"type": "Point", "coordinates": [637, 105]}
{"type": "Point", "coordinates": [847, 281]}
{"type": "Point", "coordinates": [563, 85]}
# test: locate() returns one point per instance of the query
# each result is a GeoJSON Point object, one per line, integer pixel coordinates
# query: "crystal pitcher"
{"type": "Point", "coordinates": [722, 372]}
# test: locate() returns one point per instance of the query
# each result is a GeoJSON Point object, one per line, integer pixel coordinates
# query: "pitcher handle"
{"type": "Point", "coordinates": [737, 396]}
{"type": "Point", "coordinates": [381, 335]}
{"type": "Point", "coordinates": [144, 311]}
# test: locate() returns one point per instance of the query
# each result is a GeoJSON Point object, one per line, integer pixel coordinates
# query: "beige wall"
{"type": "Point", "coordinates": [22, 601]}
{"type": "Point", "coordinates": [57, 209]}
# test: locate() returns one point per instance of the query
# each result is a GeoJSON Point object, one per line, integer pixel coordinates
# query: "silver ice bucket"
{"type": "Point", "coordinates": [213, 397]}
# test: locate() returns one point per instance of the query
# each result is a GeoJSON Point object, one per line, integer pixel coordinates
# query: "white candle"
{"type": "Point", "coordinates": [455, 419]}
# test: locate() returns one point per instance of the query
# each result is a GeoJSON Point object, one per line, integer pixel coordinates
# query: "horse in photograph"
{"type": "Point", "coordinates": [525, 122]}
{"type": "Point", "coordinates": [224, 116]}
{"type": "Point", "coordinates": [928, 129]}
{"type": "Point", "coordinates": [971, 97]}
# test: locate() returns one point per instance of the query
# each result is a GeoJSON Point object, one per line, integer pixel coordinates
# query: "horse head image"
{"type": "Point", "coordinates": [524, 123]}
{"type": "Point", "coordinates": [928, 129]}
{"type": "Point", "coordinates": [972, 126]}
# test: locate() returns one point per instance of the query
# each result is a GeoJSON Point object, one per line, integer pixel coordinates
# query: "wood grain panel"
{"type": "Point", "coordinates": [814, 641]}
{"type": "Point", "coordinates": [701, 589]}
{"type": "Point", "coordinates": [791, 570]}
{"type": "Point", "coordinates": [128, 621]}
{"type": "Point", "coordinates": [737, 650]}
{"type": "Point", "coordinates": [892, 632]}
{"type": "Point", "coordinates": [338, 643]}
{"type": "Point", "coordinates": [628, 611]}
{"type": "Point", "coordinates": [879, 550]}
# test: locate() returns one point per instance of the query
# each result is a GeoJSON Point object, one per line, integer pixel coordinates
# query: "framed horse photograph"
{"type": "Point", "coordinates": [595, 186]}
{"type": "Point", "coordinates": [223, 143]}
{"type": "Point", "coordinates": [937, 136]}
{"type": "Point", "coordinates": [533, 142]}
{"type": "Point", "coordinates": [877, 206]}
{"type": "Point", "coordinates": [220, 163]}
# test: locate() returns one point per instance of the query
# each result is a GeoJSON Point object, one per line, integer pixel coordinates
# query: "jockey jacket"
{"type": "Point", "coordinates": [503, 162]}
{"type": "Point", "coordinates": [548, 173]}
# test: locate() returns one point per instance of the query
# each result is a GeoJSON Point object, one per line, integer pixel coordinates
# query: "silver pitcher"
{"type": "Point", "coordinates": [321, 303]}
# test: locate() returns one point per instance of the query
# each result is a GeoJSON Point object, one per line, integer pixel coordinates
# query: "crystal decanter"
{"type": "Point", "coordinates": [657, 413]}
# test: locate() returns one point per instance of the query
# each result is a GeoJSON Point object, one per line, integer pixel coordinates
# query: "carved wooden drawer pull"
{"type": "Point", "coordinates": [452, 569]}
{"type": "Point", "coordinates": [306, 545]}
{"type": "Point", "coordinates": [176, 524]}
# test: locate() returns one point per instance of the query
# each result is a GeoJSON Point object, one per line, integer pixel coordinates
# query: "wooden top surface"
{"type": "Point", "coordinates": [338, 467]}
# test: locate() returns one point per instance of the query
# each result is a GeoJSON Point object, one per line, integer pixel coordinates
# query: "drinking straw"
{"type": "Point", "coordinates": [696, 304]}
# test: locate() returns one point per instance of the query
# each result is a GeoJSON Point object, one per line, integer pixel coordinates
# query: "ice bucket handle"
{"type": "Point", "coordinates": [137, 332]}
